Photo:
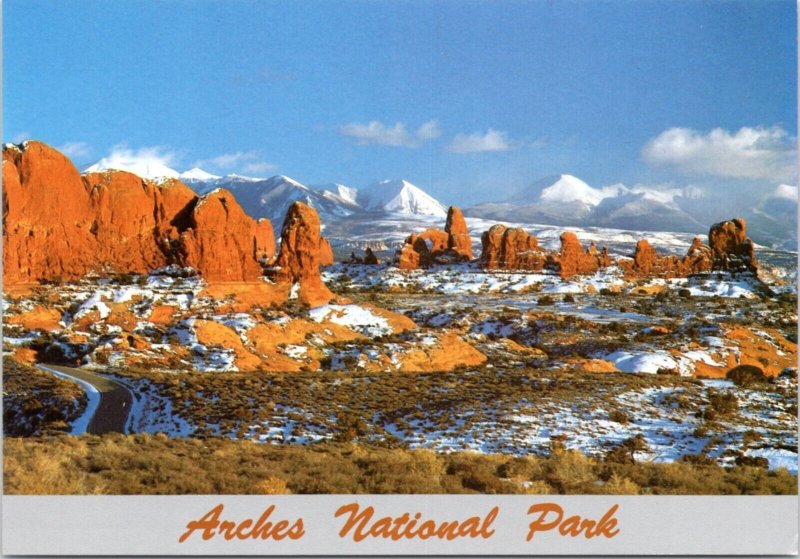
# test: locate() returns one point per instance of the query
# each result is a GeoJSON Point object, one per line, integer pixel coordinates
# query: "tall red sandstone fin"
{"type": "Point", "coordinates": [491, 247]}
{"type": "Point", "coordinates": [645, 257]}
{"type": "Point", "coordinates": [59, 225]}
{"type": "Point", "coordinates": [299, 258]}
{"type": "Point", "coordinates": [264, 242]}
{"type": "Point", "coordinates": [573, 260]}
{"type": "Point", "coordinates": [456, 228]}
{"type": "Point", "coordinates": [175, 207]}
{"type": "Point", "coordinates": [325, 252]}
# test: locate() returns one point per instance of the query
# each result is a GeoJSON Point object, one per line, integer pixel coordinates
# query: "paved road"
{"type": "Point", "coordinates": [112, 412]}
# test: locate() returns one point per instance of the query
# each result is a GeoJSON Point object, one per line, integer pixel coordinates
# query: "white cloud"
{"type": "Point", "coordinates": [667, 193]}
{"type": "Point", "coordinates": [149, 162]}
{"type": "Point", "coordinates": [754, 153]}
{"type": "Point", "coordinates": [244, 161]}
{"type": "Point", "coordinates": [228, 160]}
{"type": "Point", "coordinates": [429, 131]}
{"type": "Point", "coordinates": [492, 140]}
{"type": "Point", "coordinates": [786, 191]}
{"type": "Point", "coordinates": [376, 132]}
{"type": "Point", "coordinates": [259, 167]}
{"type": "Point", "coordinates": [75, 149]}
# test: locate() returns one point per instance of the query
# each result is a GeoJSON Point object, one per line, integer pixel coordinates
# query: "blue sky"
{"type": "Point", "coordinates": [470, 100]}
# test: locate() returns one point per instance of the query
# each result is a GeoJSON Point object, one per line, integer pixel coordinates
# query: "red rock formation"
{"type": "Point", "coordinates": [436, 246]}
{"type": "Point", "coordinates": [58, 225]}
{"type": "Point", "coordinates": [437, 241]}
{"type": "Point", "coordinates": [47, 218]}
{"type": "Point", "coordinates": [131, 223]}
{"type": "Point", "coordinates": [698, 258]}
{"type": "Point", "coordinates": [299, 258]}
{"type": "Point", "coordinates": [573, 260]}
{"type": "Point", "coordinates": [325, 252]}
{"type": "Point", "coordinates": [264, 241]}
{"type": "Point", "coordinates": [221, 240]}
{"type": "Point", "coordinates": [414, 254]}
{"type": "Point", "coordinates": [370, 259]}
{"type": "Point", "coordinates": [647, 263]}
{"type": "Point", "coordinates": [511, 249]}
{"type": "Point", "coordinates": [458, 237]}
{"type": "Point", "coordinates": [731, 249]}
{"type": "Point", "coordinates": [423, 249]}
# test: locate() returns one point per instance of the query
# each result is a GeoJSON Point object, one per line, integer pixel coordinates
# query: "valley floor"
{"type": "Point", "coordinates": [448, 380]}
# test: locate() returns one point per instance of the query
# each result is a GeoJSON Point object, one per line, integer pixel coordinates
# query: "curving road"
{"type": "Point", "coordinates": [110, 414]}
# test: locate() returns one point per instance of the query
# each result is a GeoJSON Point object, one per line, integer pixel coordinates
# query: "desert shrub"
{"type": "Point", "coordinates": [750, 436]}
{"type": "Point", "coordinates": [619, 416]}
{"type": "Point", "coordinates": [700, 459]}
{"type": "Point", "coordinates": [721, 404]}
{"type": "Point", "coordinates": [685, 293]}
{"type": "Point", "coordinates": [700, 432]}
{"type": "Point", "coordinates": [569, 298]}
{"type": "Point", "coordinates": [349, 426]}
{"type": "Point", "coordinates": [754, 461]}
{"type": "Point", "coordinates": [569, 471]}
{"type": "Point", "coordinates": [546, 301]}
{"type": "Point", "coordinates": [746, 375]}
{"type": "Point", "coordinates": [619, 455]}
{"type": "Point", "coordinates": [514, 468]}
{"type": "Point", "coordinates": [620, 485]}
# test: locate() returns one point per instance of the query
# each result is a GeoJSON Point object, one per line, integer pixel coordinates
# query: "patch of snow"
{"type": "Point", "coordinates": [354, 317]}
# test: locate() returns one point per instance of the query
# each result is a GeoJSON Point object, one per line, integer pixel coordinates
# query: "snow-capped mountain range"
{"type": "Point", "coordinates": [567, 200]}
{"type": "Point", "coordinates": [561, 200]}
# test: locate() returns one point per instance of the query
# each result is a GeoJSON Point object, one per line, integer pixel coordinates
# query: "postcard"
{"type": "Point", "coordinates": [399, 277]}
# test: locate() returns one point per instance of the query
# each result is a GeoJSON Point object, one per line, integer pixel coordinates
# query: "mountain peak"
{"type": "Point", "coordinates": [197, 174]}
{"type": "Point", "coordinates": [338, 191]}
{"type": "Point", "coordinates": [400, 196]}
{"type": "Point", "coordinates": [558, 189]}
{"type": "Point", "coordinates": [568, 188]}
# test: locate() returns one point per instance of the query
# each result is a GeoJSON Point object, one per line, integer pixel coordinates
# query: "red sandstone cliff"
{"type": "Point", "coordinates": [59, 225]}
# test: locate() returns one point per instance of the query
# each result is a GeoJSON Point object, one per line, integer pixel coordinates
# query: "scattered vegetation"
{"type": "Point", "coordinates": [154, 464]}
{"type": "Point", "coordinates": [746, 376]}
{"type": "Point", "coordinates": [36, 402]}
